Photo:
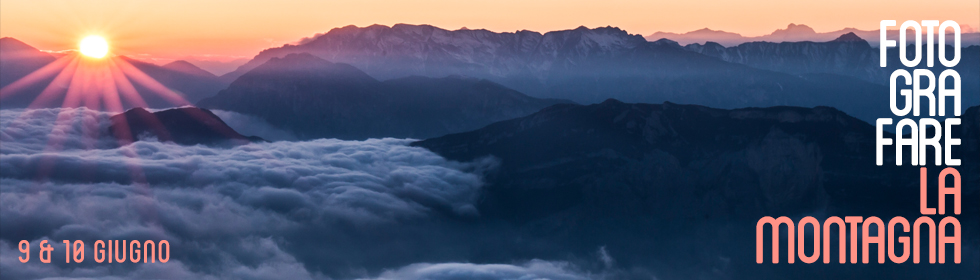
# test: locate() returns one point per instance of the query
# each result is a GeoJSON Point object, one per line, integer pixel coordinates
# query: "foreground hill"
{"type": "Point", "coordinates": [185, 126]}
{"type": "Point", "coordinates": [632, 176]}
{"type": "Point", "coordinates": [320, 99]}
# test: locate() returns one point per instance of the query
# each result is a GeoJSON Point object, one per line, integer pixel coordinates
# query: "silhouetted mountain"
{"type": "Point", "coordinates": [319, 99]}
{"type": "Point", "coordinates": [679, 188]}
{"type": "Point", "coordinates": [216, 66]}
{"type": "Point", "coordinates": [584, 65]}
{"type": "Point", "coordinates": [17, 60]}
{"type": "Point", "coordinates": [184, 78]}
{"type": "Point", "coordinates": [700, 36]}
{"type": "Point", "coordinates": [849, 37]}
{"type": "Point", "coordinates": [185, 126]}
{"type": "Point", "coordinates": [792, 33]}
{"type": "Point", "coordinates": [188, 68]}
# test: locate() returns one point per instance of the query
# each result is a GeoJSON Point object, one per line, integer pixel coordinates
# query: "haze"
{"type": "Point", "coordinates": [226, 30]}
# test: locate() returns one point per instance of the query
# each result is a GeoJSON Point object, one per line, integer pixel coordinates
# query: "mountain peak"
{"type": "Point", "coordinates": [301, 57]}
{"type": "Point", "coordinates": [294, 60]}
{"type": "Point", "coordinates": [13, 43]}
{"type": "Point", "coordinates": [299, 65]}
{"type": "Point", "coordinates": [13, 47]}
{"type": "Point", "coordinates": [799, 27]}
{"type": "Point", "coordinates": [666, 42]}
{"type": "Point", "coordinates": [187, 68]}
{"type": "Point", "coordinates": [794, 30]}
{"type": "Point", "coordinates": [611, 102]}
{"type": "Point", "coordinates": [848, 37]}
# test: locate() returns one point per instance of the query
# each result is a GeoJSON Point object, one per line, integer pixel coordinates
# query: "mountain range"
{"type": "Point", "coordinates": [793, 33]}
{"type": "Point", "coordinates": [583, 65]}
{"type": "Point", "coordinates": [580, 65]}
{"type": "Point", "coordinates": [847, 55]}
{"type": "Point", "coordinates": [672, 190]}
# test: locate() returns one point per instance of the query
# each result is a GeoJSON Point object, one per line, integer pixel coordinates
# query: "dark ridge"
{"type": "Point", "coordinates": [185, 126]}
{"type": "Point", "coordinates": [849, 37]}
{"type": "Point", "coordinates": [316, 98]}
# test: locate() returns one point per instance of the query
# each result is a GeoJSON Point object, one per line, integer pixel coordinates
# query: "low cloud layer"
{"type": "Point", "coordinates": [279, 210]}
{"type": "Point", "coordinates": [254, 126]}
{"type": "Point", "coordinates": [535, 269]}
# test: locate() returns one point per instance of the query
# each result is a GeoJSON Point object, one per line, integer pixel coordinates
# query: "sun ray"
{"type": "Point", "coordinates": [110, 94]}
{"type": "Point", "coordinates": [145, 80]}
{"type": "Point", "coordinates": [38, 75]}
{"type": "Point", "coordinates": [50, 92]}
{"type": "Point", "coordinates": [73, 97]}
{"type": "Point", "coordinates": [126, 88]}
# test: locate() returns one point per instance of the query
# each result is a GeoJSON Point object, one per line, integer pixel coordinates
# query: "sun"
{"type": "Point", "coordinates": [94, 46]}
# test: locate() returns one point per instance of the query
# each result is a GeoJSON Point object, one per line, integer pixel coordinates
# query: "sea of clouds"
{"type": "Point", "coordinates": [374, 209]}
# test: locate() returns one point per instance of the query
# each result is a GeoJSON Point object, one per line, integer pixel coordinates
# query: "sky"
{"type": "Point", "coordinates": [226, 30]}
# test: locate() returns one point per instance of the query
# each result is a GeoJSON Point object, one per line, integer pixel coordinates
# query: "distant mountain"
{"type": "Point", "coordinates": [403, 50]}
{"type": "Point", "coordinates": [584, 65]}
{"type": "Point", "coordinates": [700, 36]}
{"type": "Point", "coordinates": [792, 33]}
{"type": "Point", "coordinates": [185, 67]}
{"type": "Point", "coordinates": [216, 66]}
{"type": "Point", "coordinates": [18, 59]}
{"type": "Point", "coordinates": [320, 99]}
{"type": "Point", "coordinates": [191, 82]}
{"type": "Point", "coordinates": [847, 55]}
{"type": "Point", "coordinates": [691, 182]}
{"type": "Point", "coordinates": [185, 126]}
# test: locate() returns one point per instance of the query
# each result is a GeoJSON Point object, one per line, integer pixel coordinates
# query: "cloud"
{"type": "Point", "coordinates": [258, 211]}
{"type": "Point", "coordinates": [535, 269]}
{"type": "Point", "coordinates": [254, 126]}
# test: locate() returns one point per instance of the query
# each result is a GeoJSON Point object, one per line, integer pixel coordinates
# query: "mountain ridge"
{"type": "Point", "coordinates": [792, 33]}
{"type": "Point", "coordinates": [583, 65]}
{"type": "Point", "coordinates": [316, 98]}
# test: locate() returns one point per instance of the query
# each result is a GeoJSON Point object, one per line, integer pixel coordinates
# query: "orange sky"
{"type": "Point", "coordinates": [176, 28]}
